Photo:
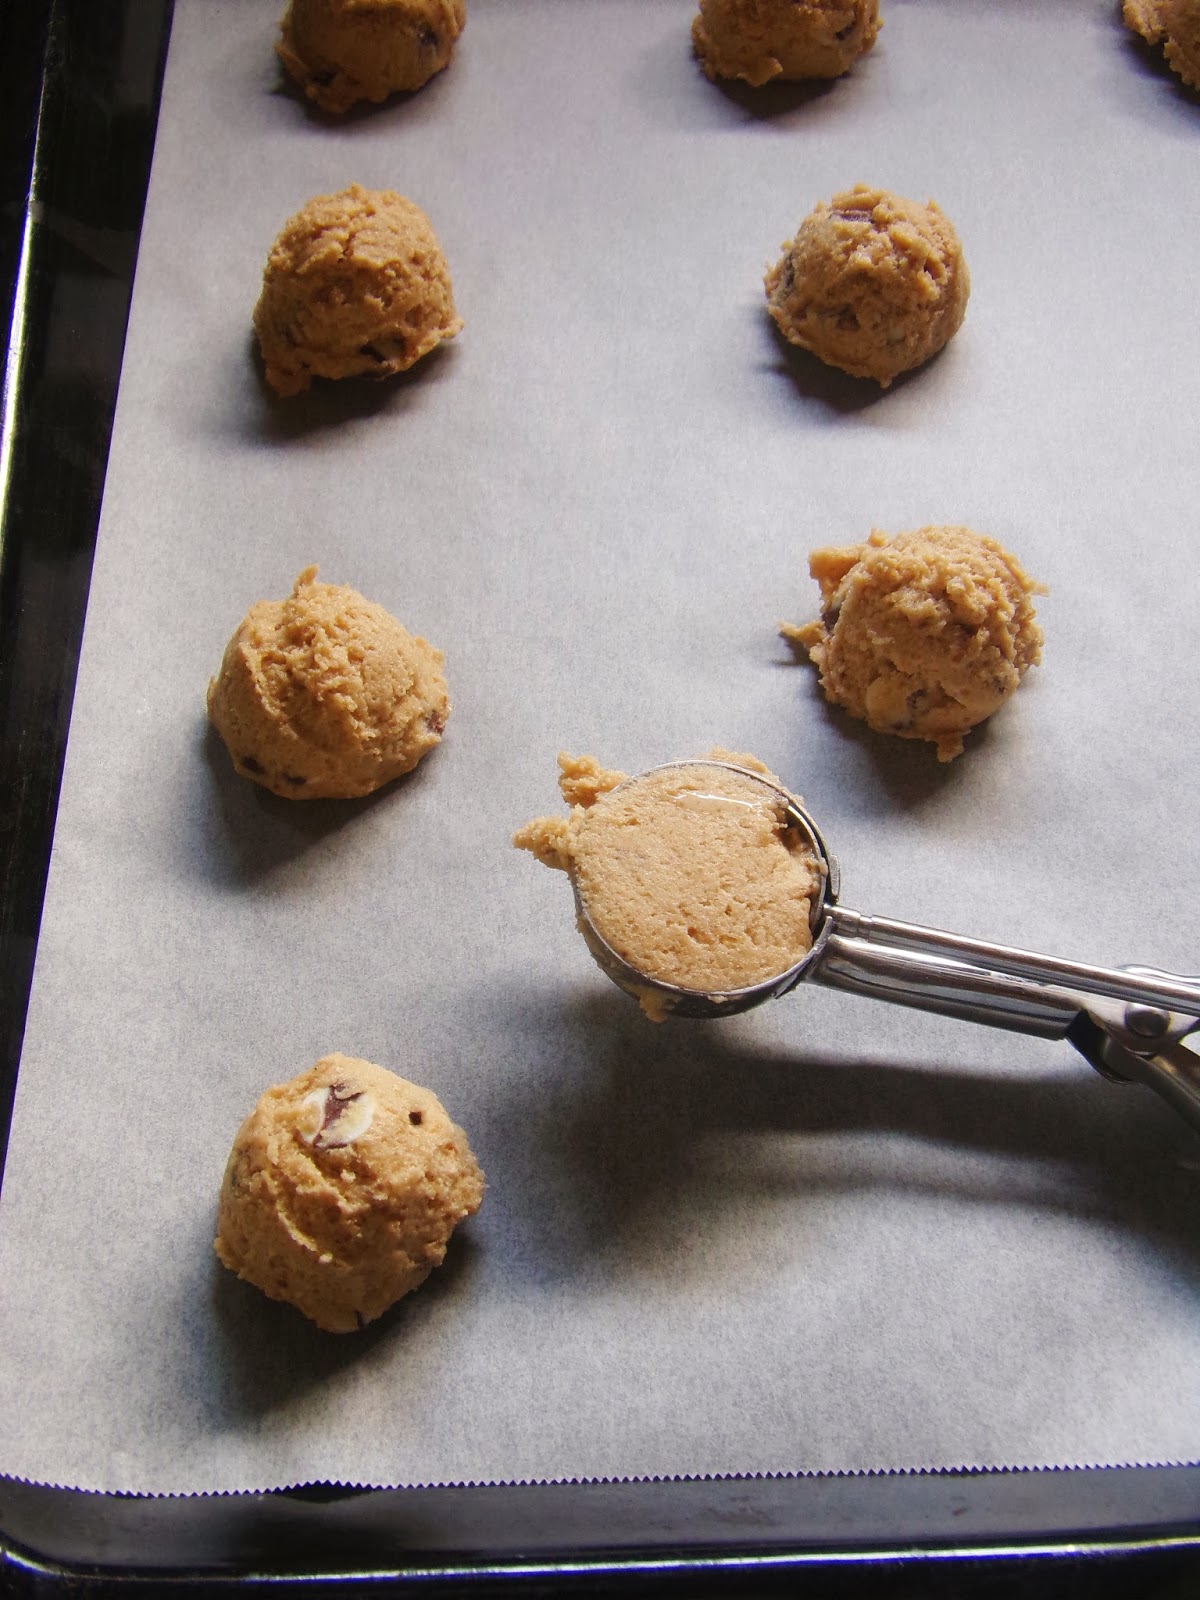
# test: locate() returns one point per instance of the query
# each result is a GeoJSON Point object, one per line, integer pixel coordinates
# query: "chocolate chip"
{"type": "Point", "coordinates": [296, 783]}
{"type": "Point", "coordinates": [916, 704]}
{"type": "Point", "coordinates": [427, 38]}
{"type": "Point", "coordinates": [340, 1114]}
{"type": "Point", "coordinates": [416, 1118]}
{"type": "Point", "coordinates": [250, 765]}
{"type": "Point", "coordinates": [435, 721]}
{"type": "Point", "coordinates": [337, 1098]}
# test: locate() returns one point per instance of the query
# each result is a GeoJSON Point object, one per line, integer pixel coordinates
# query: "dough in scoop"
{"type": "Point", "coordinates": [690, 873]}
{"type": "Point", "coordinates": [923, 635]}
{"type": "Point", "coordinates": [872, 283]}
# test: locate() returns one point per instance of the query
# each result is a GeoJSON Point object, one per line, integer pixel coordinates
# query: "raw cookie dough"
{"type": "Point", "coordinates": [324, 695]}
{"type": "Point", "coordinates": [689, 874]}
{"type": "Point", "coordinates": [355, 284]}
{"type": "Point", "coordinates": [343, 51]}
{"type": "Point", "coordinates": [872, 283]}
{"type": "Point", "coordinates": [923, 635]}
{"type": "Point", "coordinates": [758, 40]}
{"type": "Point", "coordinates": [342, 1190]}
{"type": "Point", "coordinates": [1175, 24]}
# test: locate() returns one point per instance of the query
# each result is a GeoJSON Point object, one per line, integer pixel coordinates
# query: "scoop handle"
{"type": "Point", "coordinates": [1127, 1022]}
{"type": "Point", "coordinates": [930, 980]}
{"type": "Point", "coordinates": [1172, 1072]}
{"type": "Point", "coordinates": [920, 966]}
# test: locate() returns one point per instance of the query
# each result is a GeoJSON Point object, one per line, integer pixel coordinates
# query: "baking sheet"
{"type": "Point", "coordinates": [832, 1236]}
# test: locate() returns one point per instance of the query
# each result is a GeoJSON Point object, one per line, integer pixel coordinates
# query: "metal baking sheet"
{"type": "Point", "coordinates": [867, 1239]}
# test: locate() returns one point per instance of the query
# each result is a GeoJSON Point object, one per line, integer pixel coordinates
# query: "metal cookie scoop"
{"type": "Point", "coordinates": [1128, 1022]}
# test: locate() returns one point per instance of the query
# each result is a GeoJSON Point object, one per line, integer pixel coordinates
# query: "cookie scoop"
{"type": "Point", "coordinates": [1129, 1022]}
{"type": "Point", "coordinates": [692, 877]}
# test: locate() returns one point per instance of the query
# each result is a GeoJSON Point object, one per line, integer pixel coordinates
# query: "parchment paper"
{"type": "Point", "coordinates": [830, 1236]}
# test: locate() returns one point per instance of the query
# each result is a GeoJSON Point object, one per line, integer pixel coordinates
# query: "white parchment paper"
{"type": "Point", "coordinates": [829, 1236]}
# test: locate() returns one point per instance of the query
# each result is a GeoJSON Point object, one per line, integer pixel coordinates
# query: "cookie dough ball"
{"type": "Point", "coordinates": [871, 283]}
{"type": "Point", "coordinates": [923, 635]}
{"type": "Point", "coordinates": [758, 40]}
{"type": "Point", "coordinates": [689, 873]}
{"type": "Point", "coordinates": [324, 695]}
{"type": "Point", "coordinates": [1175, 24]}
{"type": "Point", "coordinates": [342, 1190]}
{"type": "Point", "coordinates": [343, 51]}
{"type": "Point", "coordinates": [356, 284]}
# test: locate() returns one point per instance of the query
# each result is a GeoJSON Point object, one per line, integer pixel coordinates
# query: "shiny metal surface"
{"type": "Point", "coordinates": [1127, 1022]}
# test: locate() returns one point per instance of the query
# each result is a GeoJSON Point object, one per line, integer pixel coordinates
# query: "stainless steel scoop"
{"type": "Point", "coordinates": [1128, 1022]}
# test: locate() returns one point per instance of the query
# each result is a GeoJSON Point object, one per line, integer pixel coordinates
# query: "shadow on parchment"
{"type": "Point", "coordinates": [811, 380]}
{"type": "Point", "coordinates": [267, 1354]}
{"type": "Point", "coordinates": [329, 403]}
{"type": "Point", "coordinates": [250, 832]}
{"type": "Point", "coordinates": [907, 772]}
{"type": "Point", "coordinates": [605, 1150]}
{"type": "Point", "coordinates": [680, 1121]}
{"type": "Point", "coordinates": [668, 82]}
{"type": "Point", "coordinates": [404, 107]}
{"type": "Point", "coordinates": [1150, 61]}
{"type": "Point", "coordinates": [772, 102]}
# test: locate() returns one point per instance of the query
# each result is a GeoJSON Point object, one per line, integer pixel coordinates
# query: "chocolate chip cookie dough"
{"type": "Point", "coordinates": [342, 1190]}
{"type": "Point", "coordinates": [344, 51]}
{"type": "Point", "coordinates": [759, 40]}
{"type": "Point", "coordinates": [355, 285]}
{"type": "Point", "coordinates": [689, 873]}
{"type": "Point", "coordinates": [324, 695]}
{"type": "Point", "coordinates": [872, 283]}
{"type": "Point", "coordinates": [922, 635]}
{"type": "Point", "coordinates": [1175, 24]}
